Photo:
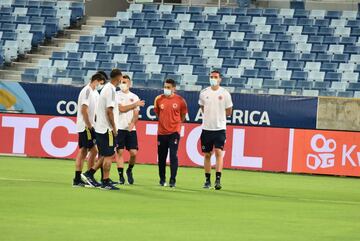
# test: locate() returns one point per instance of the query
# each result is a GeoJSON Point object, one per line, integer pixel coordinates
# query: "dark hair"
{"type": "Point", "coordinates": [103, 73]}
{"type": "Point", "coordinates": [170, 81]}
{"type": "Point", "coordinates": [97, 76]}
{"type": "Point", "coordinates": [115, 73]}
{"type": "Point", "coordinates": [126, 77]}
{"type": "Point", "coordinates": [216, 72]}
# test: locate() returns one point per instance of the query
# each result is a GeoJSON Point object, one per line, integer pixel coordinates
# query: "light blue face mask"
{"type": "Point", "coordinates": [167, 92]}
{"type": "Point", "coordinates": [99, 87]}
{"type": "Point", "coordinates": [213, 82]}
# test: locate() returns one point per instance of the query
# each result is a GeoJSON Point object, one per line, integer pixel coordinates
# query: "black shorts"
{"type": "Point", "coordinates": [127, 139]}
{"type": "Point", "coordinates": [211, 139]}
{"type": "Point", "coordinates": [87, 138]}
{"type": "Point", "coordinates": [105, 143]}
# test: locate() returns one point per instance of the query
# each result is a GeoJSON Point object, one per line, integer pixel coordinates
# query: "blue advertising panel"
{"type": "Point", "coordinates": [249, 109]}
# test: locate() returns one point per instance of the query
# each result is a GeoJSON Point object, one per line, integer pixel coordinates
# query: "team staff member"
{"type": "Point", "coordinates": [85, 121]}
{"type": "Point", "coordinates": [129, 106]}
{"type": "Point", "coordinates": [171, 110]}
{"type": "Point", "coordinates": [216, 104]}
{"type": "Point", "coordinates": [105, 129]}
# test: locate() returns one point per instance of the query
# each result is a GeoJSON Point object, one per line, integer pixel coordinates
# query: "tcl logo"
{"type": "Point", "coordinates": [44, 131]}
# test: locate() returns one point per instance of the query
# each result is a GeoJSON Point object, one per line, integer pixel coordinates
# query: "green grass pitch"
{"type": "Point", "coordinates": [37, 202]}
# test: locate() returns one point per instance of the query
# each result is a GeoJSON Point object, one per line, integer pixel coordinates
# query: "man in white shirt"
{"type": "Point", "coordinates": [129, 107]}
{"type": "Point", "coordinates": [216, 104]}
{"type": "Point", "coordinates": [85, 121]}
{"type": "Point", "coordinates": [105, 130]}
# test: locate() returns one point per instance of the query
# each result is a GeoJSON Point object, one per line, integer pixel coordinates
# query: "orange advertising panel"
{"type": "Point", "coordinates": [326, 152]}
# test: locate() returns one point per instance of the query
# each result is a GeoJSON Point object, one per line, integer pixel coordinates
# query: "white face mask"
{"type": "Point", "coordinates": [124, 87]}
{"type": "Point", "coordinates": [167, 92]}
{"type": "Point", "coordinates": [99, 87]}
{"type": "Point", "coordinates": [213, 82]}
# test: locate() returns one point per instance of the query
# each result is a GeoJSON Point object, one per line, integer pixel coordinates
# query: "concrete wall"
{"type": "Point", "coordinates": [338, 114]}
{"type": "Point", "coordinates": [105, 8]}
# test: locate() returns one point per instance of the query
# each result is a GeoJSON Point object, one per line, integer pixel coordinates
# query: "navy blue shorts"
{"type": "Point", "coordinates": [211, 139]}
{"type": "Point", "coordinates": [87, 138]}
{"type": "Point", "coordinates": [105, 143]}
{"type": "Point", "coordinates": [127, 139]}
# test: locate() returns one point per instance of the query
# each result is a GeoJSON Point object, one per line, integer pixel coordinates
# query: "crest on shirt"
{"type": "Point", "coordinates": [220, 97]}
{"type": "Point", "coordinates": [131, 100]}
{"type": "Point", "coordinates": [162, 106]}
{"type": "Point", "coordinates": [175, 106]}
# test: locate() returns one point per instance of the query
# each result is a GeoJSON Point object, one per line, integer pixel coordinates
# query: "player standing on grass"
{"type": "Point", "coordinates": [171, 110]}
{"type": "Point", "coordinates": [216, 104]}
{"type": "Point", "coordinates": [105, 129]}
{"type": "Point", "coordinates": [85, 121]}
{"type": "Point", "coordinates": [129, 106]}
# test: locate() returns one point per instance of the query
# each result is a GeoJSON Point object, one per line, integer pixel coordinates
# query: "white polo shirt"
{"type": "Point", "coordinates": [86, 97]}
{"type": "Point", "coordinates": [106, 99]}
{"type": "Point", "coordinates": [125, 118]}
{"type": "Point", "coordinates": [215, 103]}
{"type": "Point", "coordinates": [96, 97]}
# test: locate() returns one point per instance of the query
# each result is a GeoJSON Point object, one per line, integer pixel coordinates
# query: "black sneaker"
{"type": "Point", "coordinates": [108, 186]}
{"type": "Point", "coordinates": [111, 182]}
{"type": "Point", "coordinates": [79, 183]}
{"type": "Point", "coordinates": [121, 180]}
{"type": "Point", "coordinates": [217, 184]}
{"type": "Point", "coordinates": [207, 184]}
{"type": "Point", "coordinates": [162, 183]}
{"type": "Point", "coordinates": [172, 182]}
{"type": "Point", "coordinates": [130, 176]}
{"type": "Point", "coordinates": [89, 179]}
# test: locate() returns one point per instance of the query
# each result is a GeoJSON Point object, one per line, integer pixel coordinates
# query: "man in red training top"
{"type": "Point", "coordinates": [171, 110]}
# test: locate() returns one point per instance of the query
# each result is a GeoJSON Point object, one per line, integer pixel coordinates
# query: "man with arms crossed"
{"type": "Point", "coordinates": [171, 110]}
{"type": "Point", "coordinates": [216, 104]}
{"type": "Point", "coordinates": [85, 121]}
{"type": "Point", "coordinates": [129, 106]}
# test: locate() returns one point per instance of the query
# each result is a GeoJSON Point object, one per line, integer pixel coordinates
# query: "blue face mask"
{"type": "Point", "coordinates": [167, 92]}
{"type": "Point", "coordinates": [213, 82]}
{"type": "Point", "coordinates": [99, 87]}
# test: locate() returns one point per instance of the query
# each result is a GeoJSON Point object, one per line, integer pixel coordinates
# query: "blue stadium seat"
{"type": "Point", "coordinates": [75, 65]}
{"type": "Point", "coordinates": [198, 61]}
{"type": "Point", "coordinates": [123, 66]}
{"type": "Point", "coordinates": [250, 73]}
{"type": "Point", "coordinates": [178, 51]}
{"type": "Point", "coordinates": [181, 60]}
{"type": "Point", "coordinates": [226, 54]}
{"type": "Point", "coordinates": [75, 56]}
{"type": "Point", "coordinates": [169, 69]}
{"type": "Point", "coordinates": [231, 63]}
{"type": "Point", "coordinates": [195, 52]}
{"type": "Point", "coordinates": [340, 58]}
{"type": "Point", "coordinates": [264, 73]}
{"type": "Point", "coordinates": [163, 51]}
{"type": "Point", "coordinates": [295, 65]}
{"type": "Point", "coordinates": [332, 76]}
{"type": "Point", "coordinates": [291, 56]}
{"type": "Point", "coordinates": [328, 67]}
{"type": "Point", "coordinates": [164, 59]}
{"type": "Point", "coordinates": [137, 67]}
{"type": "Point", "coordinates": [299, 75]}
{"type": "Point", "coordinates": [135, 58]}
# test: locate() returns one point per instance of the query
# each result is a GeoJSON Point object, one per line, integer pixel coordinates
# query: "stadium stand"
{"type": "Point", "coordinates": [27, 24]}
{"type": "Point", "coordinates": [276, 51]}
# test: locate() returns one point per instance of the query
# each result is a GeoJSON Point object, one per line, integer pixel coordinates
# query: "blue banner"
{"type": "Point", "coordinates": [249, 109]}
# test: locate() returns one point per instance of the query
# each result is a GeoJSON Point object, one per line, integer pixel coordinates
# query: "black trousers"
{"type": "Point", "coordinates": [166, 143]}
